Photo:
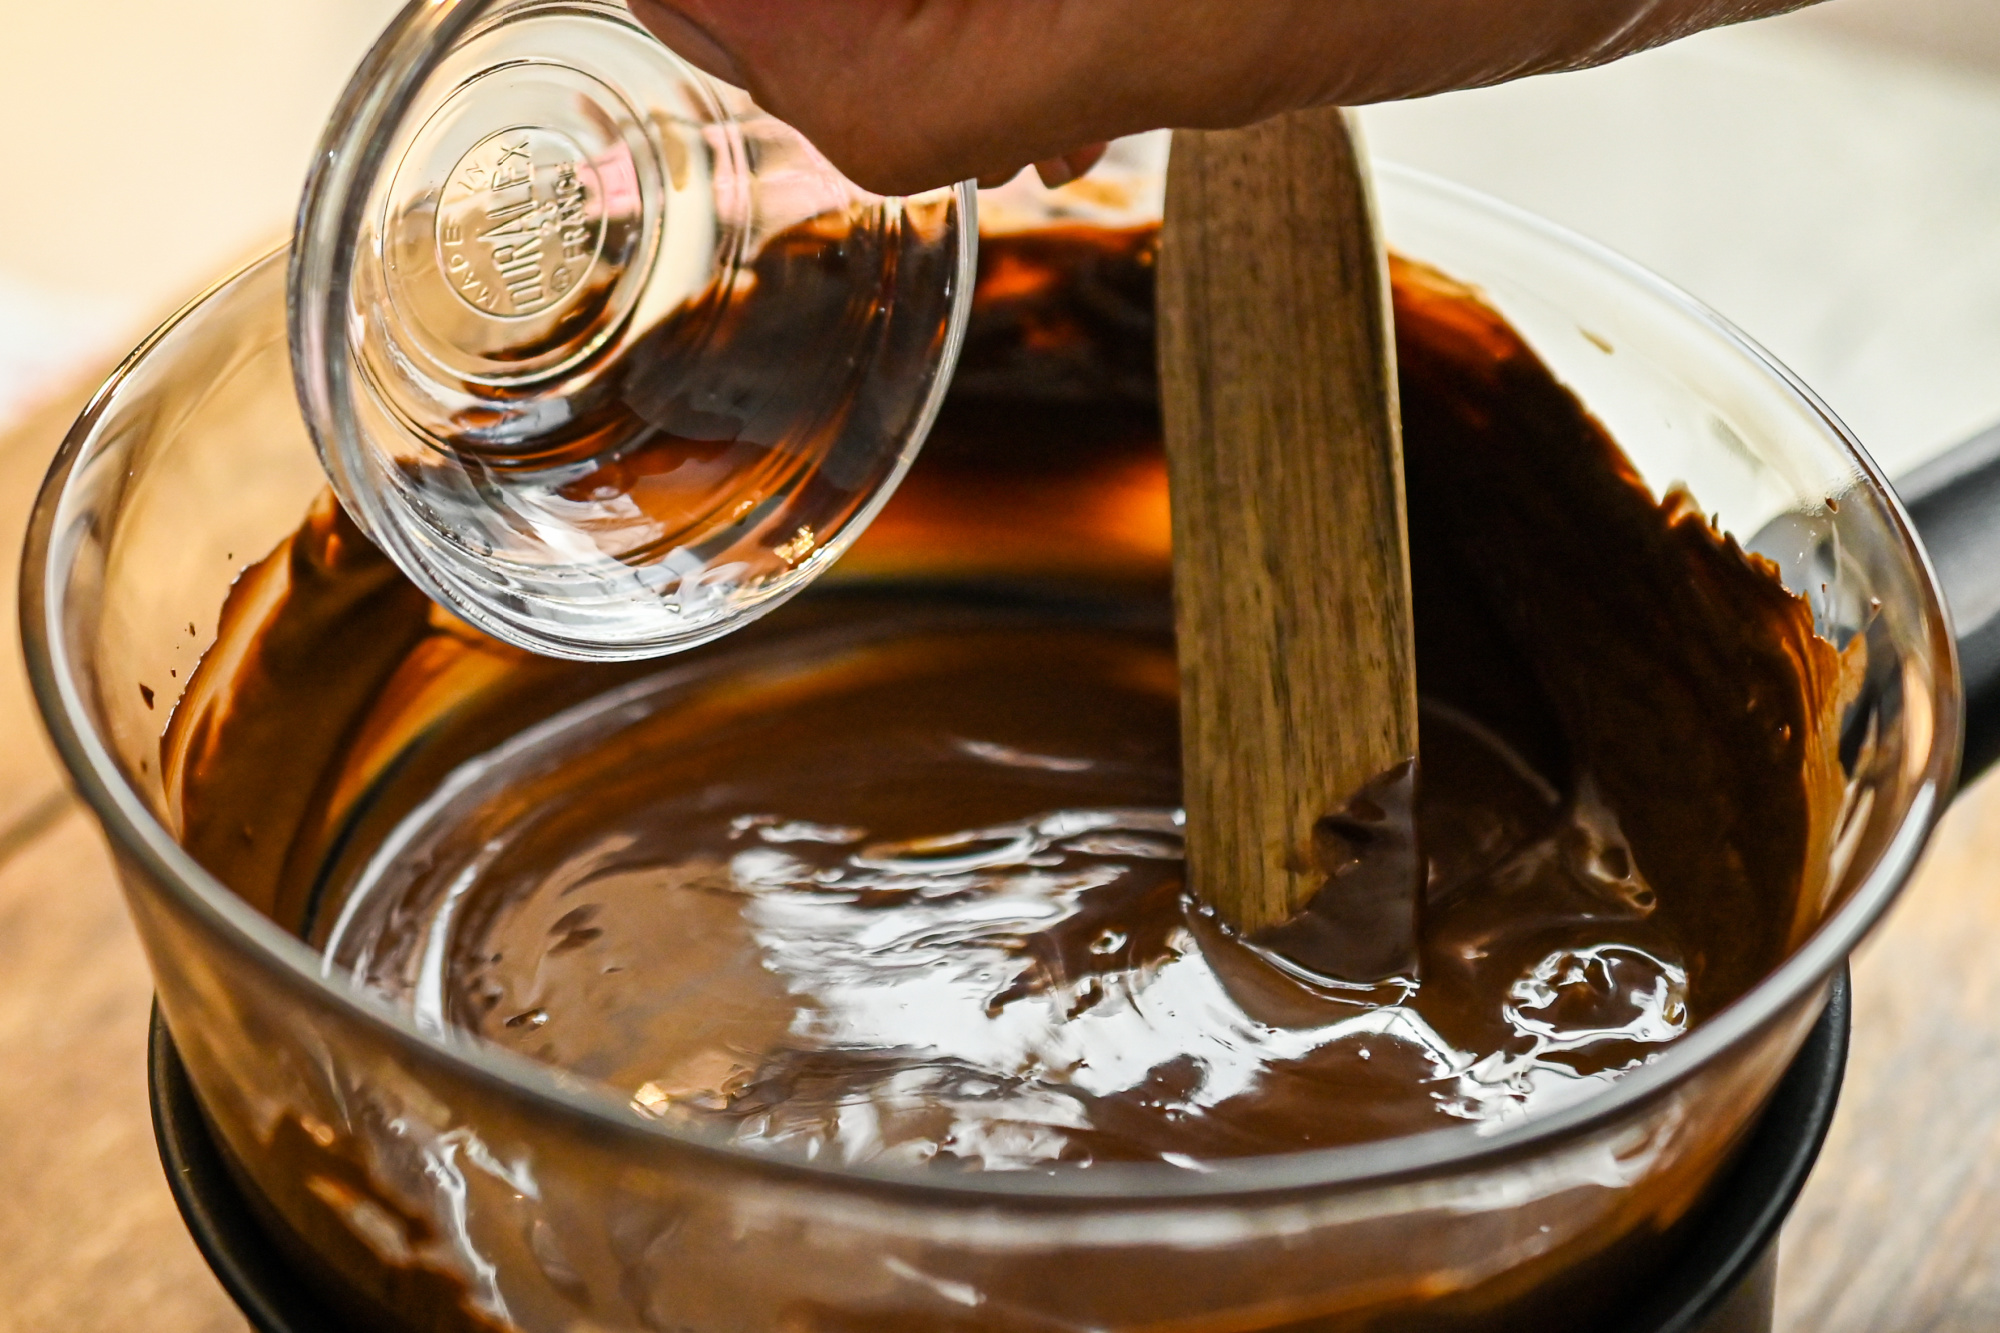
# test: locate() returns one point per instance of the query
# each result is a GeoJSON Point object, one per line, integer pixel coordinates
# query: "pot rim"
{"type": "Point", "coordinates": [142, 840]}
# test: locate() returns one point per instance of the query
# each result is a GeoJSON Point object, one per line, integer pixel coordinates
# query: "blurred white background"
{"type": "Point", "coordinates": [1830, 181]}
{"type": "Point", "coordinates": [154, 142]}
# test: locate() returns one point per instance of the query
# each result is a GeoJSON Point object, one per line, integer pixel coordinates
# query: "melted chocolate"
{"type": "Point", "coordinates": [895, 873]}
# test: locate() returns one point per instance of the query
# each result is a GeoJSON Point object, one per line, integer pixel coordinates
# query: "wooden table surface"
{"type": "Point", "coordinates": [1898, 1232]}
{"type": "Point", "coordinates": [89, 1239]}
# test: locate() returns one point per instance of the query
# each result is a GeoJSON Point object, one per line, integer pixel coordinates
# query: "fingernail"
{"type": "Point", "coordinates": [1062, 170]}
{"type": "Point", "coordinates": [689, 40]}
{"type": "Point", "coordinates": [1086, 157]}
{"type": "Point", "coordinates": [1055, 171]}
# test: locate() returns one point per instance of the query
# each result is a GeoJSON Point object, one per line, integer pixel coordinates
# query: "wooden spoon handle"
{"type": "Point", "coordinates": [1291, 554]}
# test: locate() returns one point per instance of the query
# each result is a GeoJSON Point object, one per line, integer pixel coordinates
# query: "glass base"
{"type": "Point", "coordinates": [1723, 1283]}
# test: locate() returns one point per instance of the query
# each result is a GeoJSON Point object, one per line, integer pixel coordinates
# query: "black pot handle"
{"type": "Point", "coordinates": [1955, 502]}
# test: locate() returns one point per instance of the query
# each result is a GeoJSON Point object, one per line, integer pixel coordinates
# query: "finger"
{"type": "Point", "coordinates": [1056, 171]}
{"type": "Point", "coordinates": [907, 94]}
{"type": "Point", "coordinates": [688, 40]}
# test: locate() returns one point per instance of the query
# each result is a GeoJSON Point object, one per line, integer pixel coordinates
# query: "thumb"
{"type": "Point", "coordinates": [688, 39]}
{"type": "Point", "coordinates": [908, 96]}
{"type": "Point", "coordinates": [904, 95]}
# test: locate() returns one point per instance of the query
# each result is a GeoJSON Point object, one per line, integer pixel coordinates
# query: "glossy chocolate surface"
{"type": "Point", "coordinates": [894, 874]}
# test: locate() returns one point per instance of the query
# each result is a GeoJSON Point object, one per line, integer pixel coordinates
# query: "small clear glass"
{"type": "Point", "coordinates": [608, 359]}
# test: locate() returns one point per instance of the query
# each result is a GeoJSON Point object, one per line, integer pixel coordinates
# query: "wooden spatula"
{"type": "Point", "coordinates": [1291, 554]}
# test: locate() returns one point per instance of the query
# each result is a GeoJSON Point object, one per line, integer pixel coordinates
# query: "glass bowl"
{"type": "Point", "coordinates": [447, 1184]}
{"type": "Point", "coordinates": [607, 358]}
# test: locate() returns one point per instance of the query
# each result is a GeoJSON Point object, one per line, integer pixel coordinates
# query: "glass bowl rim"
{"type": "Point", "coordinates": [128, 822]}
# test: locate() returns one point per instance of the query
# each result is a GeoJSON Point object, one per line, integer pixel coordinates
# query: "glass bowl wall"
{"type": "Point", "coordinates": [460, 1187]}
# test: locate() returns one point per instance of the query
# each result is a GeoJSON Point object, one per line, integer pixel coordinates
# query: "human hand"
{"type": "Point", "coordinates": [904, 95]}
